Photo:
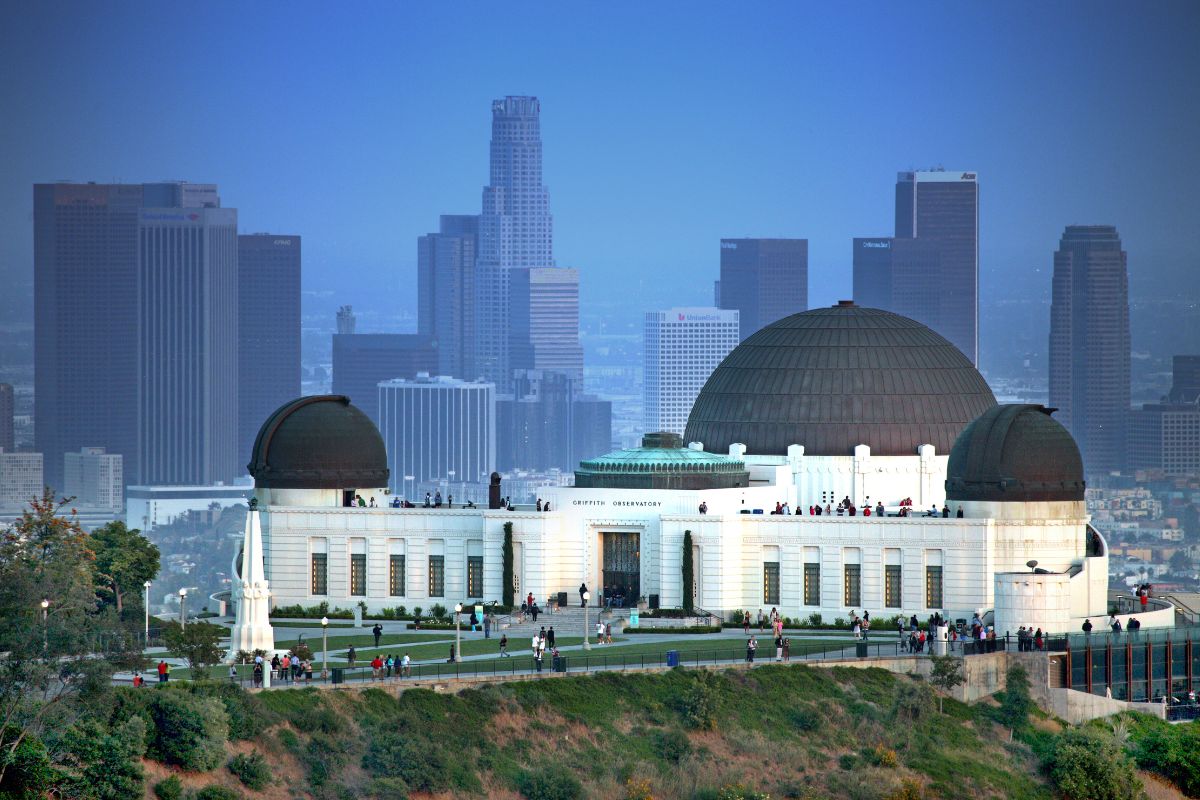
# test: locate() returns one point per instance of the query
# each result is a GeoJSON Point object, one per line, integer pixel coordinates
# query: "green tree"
{"type": "Point", "coordinates": [198, 643]}
{"type": "Point", "coordinates": [107, 764]}
{"type": "Point", "coordinates": [509, 591]}
{"type": "Point", "coordinates": [124, 561]}
{"type": "Point", "coordinates": [1087, 765]}
{"type": "Point", "coordinates": [187, 730]}
{"type": "Point", "coordinates": [947, 673]}
{"type": "Point", "coordinates": [689, 579]}
{"type": "Point", "coordinates": [1017, 702]}
{"type": "Point", "coordinates": [1174, 752]}
{"type": "Point", "coordinates": [50, 619]}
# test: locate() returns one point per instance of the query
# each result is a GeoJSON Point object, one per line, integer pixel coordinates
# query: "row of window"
{"type": "Point", "coordinates": [852, 585]}
{"type": "Point", "coordinates": [319, 583]}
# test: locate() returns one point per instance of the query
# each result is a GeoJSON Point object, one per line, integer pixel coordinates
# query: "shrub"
{"type": "Point", "coordinates": [438, 611]}
{"type": "Point", "coordinates": [739, 792]}
{"type": "Point", "coordinates": [251, 770]}
{"type": "Point", "coordinates": [110, 759]}
{"type": "Point", "coordinates": [422, 766]}
{"type": "Point", "coordinates": [638, 789]}
{"type": "Point", "coordinates": [814, 620]}
{"type": "Point", "coordinates": [169, 789]}
{"type": "Point", "coordinates": [909, 789]}
{"type": "Point", "coordinates": [882, 756]}
{"type": "Point", "coordinates": [187, 730]}
{"type": "Point", "coordinates": [1174, 752]}
{"type": "Point", "coordinates": [214, 792]}
{"type": "Point", "coordinates": [552, 783]}
{"type": "Point", "coordinates": [1017, 702]}
{"type": "Point", "coordinates": [699, 703]}
{"type": "Point", "coordinates": [671, 745]}
{"type": "Point", "coordinates": [847, 761]}
{"type": "Point", "coordinates": [28, 773]}
{"type": "Point", "coordinates": [806, 720]}
{"type": "Point", "coordinates": [1086, 763]}
{"type": "Point", "coordinates": [388, 789]}
{"type": "Point", "coordinates": [248, 716]}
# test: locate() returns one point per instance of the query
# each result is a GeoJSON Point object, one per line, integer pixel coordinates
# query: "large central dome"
{"type": "Point", "coordinates": [833, 378]}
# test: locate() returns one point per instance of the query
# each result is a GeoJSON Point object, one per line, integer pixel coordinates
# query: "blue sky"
{"type": "Point", "coordinates": [666, 126]}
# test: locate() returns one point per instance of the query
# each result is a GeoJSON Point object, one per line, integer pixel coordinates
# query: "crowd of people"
{"type": "Point", "coordinates": [847, 508]}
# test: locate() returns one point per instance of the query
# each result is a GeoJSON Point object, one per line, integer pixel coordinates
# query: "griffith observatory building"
{"type": "Point", "coordinates": [833, 403]}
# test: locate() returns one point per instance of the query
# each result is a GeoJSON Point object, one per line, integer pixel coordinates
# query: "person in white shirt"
{"type": "Point", "coordinates": [599, 633]}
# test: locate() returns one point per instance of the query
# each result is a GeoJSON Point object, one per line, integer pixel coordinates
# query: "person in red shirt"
{"type": "Point", "coordinates": [162, 671]}
{"type": "Point", "coordinates": [376, 666]}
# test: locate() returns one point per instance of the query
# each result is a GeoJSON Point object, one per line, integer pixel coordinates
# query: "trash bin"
{"type": "Point", "coordinates": [339, 675]}
{"type": "Point", "coordinates": [560, 664]}
{"type": "Point", "coordinates": [672, 658]}
{"type": "Point", "coordinates": [860, 649]}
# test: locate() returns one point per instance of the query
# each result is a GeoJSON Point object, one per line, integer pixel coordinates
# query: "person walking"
{"type": "Point", "coordinates": [487, 626]}
{"type": "Point", "coordinates": [474, 621]}
{"type": "Point", "coordinates": [787, 649]}
{"type": "Point", "coordinates": [582, 592]}
{"type": "Point", "coordinates": [504, 645]}
{"type": "Point", "coordinates": [377, 666]}
{"type": "Point", "coordinates": [350, 656]}
{"type": "Point", "coordinates": [377, 631]}
{"type": "Point", "coordinates": [550, 637]}
{"type": "Point", "coordinates": [746, 623]}
{"type": "Point", "coordinates": [753, 646]}
{"type": "Point", "coordinates": [406, 665]}
{"type": "Point", "coordinates": [599, 632]}
{"type": "Point", "coordinates": [163, 669]}
{"type": "Point", "coordinates": [779, 648]}
{"type": "Point", "coordinates": [608, 633]}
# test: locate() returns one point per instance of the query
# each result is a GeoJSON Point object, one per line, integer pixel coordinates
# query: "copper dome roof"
{"type": "Point", "coordinates": [319, 442]}
{"type": "Point", "coordinates": [1015, 453]}
{"type": "Point", "coordinates": [833, 378]}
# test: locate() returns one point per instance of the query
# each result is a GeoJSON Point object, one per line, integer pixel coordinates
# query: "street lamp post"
{"type": "Point", "coordinates": [324, 647]}
{"type": "Point", "coordinates": [586, 597]}
{"type": "Point", "coordinates": [45, 627]}
{"type": "Point", "coordinates": [146, 585]}
{"type": "Point", "coordinates": [183, 608]}
{"type": "Point", "coordinates": [457, 637]}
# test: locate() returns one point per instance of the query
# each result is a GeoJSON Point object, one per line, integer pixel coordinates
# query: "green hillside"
{"type": "Point", "coordinates": [774, 731]}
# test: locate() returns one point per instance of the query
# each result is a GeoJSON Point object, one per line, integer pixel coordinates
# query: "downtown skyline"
{"type": "Point", "coordinates": [783, 141]}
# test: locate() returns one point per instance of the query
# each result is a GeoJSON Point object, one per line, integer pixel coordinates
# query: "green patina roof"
{"type": "Point", "coordinates": [662, 452]}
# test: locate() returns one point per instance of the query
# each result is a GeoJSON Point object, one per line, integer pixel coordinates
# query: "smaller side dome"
{"type": "Point", "coordinates": [1015, 453]}
{"type": "Point", "coordinates": [319, 442]}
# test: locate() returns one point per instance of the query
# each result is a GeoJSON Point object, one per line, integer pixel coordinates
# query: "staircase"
{"type": "Point", "coordinates": [566, 621]}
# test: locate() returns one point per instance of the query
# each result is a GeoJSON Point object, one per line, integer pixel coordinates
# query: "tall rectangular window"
{"type": "Point", "coordinates": [474, 576]}
{"type": "Point", "coordinates": [891, 586]}
{"type": "Point", "coordinates": [396, 576]}
{"type": "Point", "coordinates": [933, 587]}
{"type": "Point", "coordinates": [812, 584]}
{"type": "Point", "coordinates": [320, 573]}
{"type": "Point", "coordinates": [358, 574]}
{"type": "Point", "coordinates": [771, 582]}
{"type": "Point", "coordinates": [852, 588]}
{"type": "Point", "coordinates": [437, 576]}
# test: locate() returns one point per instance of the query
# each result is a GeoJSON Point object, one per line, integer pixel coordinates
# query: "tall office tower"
{"type": "Point", "coordinates": [135, 342]}
{"type": "Point", "coordinates": [544, 321]}
{"type": "Point", "coordinates": [268, 330]}
{"type": "Point", "coordinates": [346, 322]}
{"type": "Point", "coordinates": [941, 208]}
{"type": "Point", "coordinates": [764, 280]}
{"type": "Point", "coordinates": [446, 292]}
{"type": "Point", "coordinates": [890, 274]}
{"type": "Point", "coordinates": [1089, 343]}
{"type": "Point", "coordinates": [95, 478]}
{"type": "Point", "coordinates": [515, 228]}
{"type": "Point", "coordinates": [1166, 436]}
{"type": "Point", "coordinates": [362, 360]}
{"type": "Point", "coordinates": [682, 346]}
{"type": "Point", "coordinates": [548, 424]}
{"type": "Point", "coordinates": [438, 429]}
{"type": "Point", "coordinates": [7, 409]}
{"type": "Point", "coordinates": [20, 478]}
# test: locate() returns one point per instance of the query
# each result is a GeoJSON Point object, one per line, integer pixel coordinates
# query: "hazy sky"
{"type": "Point", "coordinates": [666, 126]}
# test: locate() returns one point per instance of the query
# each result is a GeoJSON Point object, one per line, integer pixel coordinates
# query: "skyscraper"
{"type": "Point", "coordinates": [268, 330]}
{"type": "Point", "coordinates": [362, 360]}
{"type": "Point", "coordinates": [548, 424]}
{"type": "Point", "coordinates": [941, 209]}
{"type": "Point", "coordinates": [135, 341]}
{"type": "Point", "coordinates": [20, 478]}
{"type": "Point", "coordinates": [446, 292]}
{"type": "Point", "coordinates": [438, 429]}
{"type": "Point", "coordinates": [892, 274]}
{"type": "Point", "coordinates": [1166, 436]}
{"type": "Point", "coordinates": [544, 321]}
{"type": "Point", "coordinates": [764, 280]}
{"type": "Point", "coordinates": [7, 409]}
{"type": "Point", "coordinates": [1089, 343]}
{"type": "Point", "coordinates": [682, 347]}
{"type": "Point", "coordinates": [515, 228]}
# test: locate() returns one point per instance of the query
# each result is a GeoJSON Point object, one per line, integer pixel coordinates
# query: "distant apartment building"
{"type": "Point", "coordinates": [681, 348]}
{"type": "Point", "coordinates": [548, 424]}
{"type": "Point", "coordinates": [268, 330]}
{"type": "Point", "coordinates": [544, 321]}
{"type": "Point", "coordinates": [764, 280]}
{"type": "Point", "coordinates": [438, 429]}
{"type": "Point", "coordinates": [1166, 436]}
{"type": "Point", "coordinates": [20, 478]}
{"type": "Point", "coordinates": [7, 410]}
{"type": "Point", "coordinates": [95, 478]}
{"type": "Point", "coordinates": [446, 292]}
{"type": "Point", "coordinates": [1089, 343]}
{"type": "Point", "coordinates": [362, 360]}
{"type": "Point", "coordinates": [135, 328]}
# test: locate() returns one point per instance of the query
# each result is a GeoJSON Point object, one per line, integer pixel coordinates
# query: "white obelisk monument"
{"type": "Point", "coordinates": [252, 626]}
